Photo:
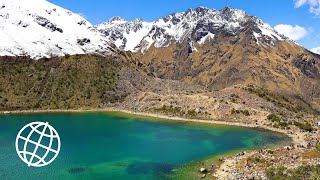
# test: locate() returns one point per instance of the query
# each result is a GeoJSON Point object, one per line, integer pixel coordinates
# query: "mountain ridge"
{"type": "Point", "coordinates": [47, 30]}
{"type": "Point", "coordinates": [248, 53]}
{"type": "Point", "coordinates": [207, 47]}
{"type": "Point", "coordinates": [197, 25]}
{"type": "Point", "coordinates": [42, 29]}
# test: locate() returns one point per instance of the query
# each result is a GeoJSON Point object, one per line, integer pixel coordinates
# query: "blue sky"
{"type": "Point", "coordinates": [302, 16]}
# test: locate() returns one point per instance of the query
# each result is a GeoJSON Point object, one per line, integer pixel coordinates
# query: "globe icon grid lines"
{"type": "Point", "coordinates": [27, 141]}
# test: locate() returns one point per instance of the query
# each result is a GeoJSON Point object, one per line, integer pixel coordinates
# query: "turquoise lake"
{"type": "Point", "coordinates": [106, 146]}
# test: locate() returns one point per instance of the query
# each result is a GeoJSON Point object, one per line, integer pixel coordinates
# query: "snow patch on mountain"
{"type": "Point", "coordinates": [195, 25]}
{"type": "Point", "coordinates": [38, 29]}
{"type": "Point", "coordinates": [267, 30]}
{"type": "Point", "coordinates": [126, 35]}
{"type": "Point", "coordinates": [316, 50]}
{"type": "Point", "coordinates": [205, 38]}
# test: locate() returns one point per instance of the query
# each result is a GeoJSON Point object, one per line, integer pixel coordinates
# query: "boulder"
{"type": "Point", "coordinates": [203, 170]}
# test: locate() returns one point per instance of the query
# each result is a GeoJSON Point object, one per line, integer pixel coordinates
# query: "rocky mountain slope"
{"type": "Point", "coordinates": [38, 29]}
{"type": "Point", "coordinates": [219, 49]}
{"type": "Point", "coordinates": [194, 26]}
{"type": "Point", "coordinates": [77, 81]}
{"type": "Point", "coordinates": [203, 64]}
{"type": "Point", "coordinates": [206, 47]}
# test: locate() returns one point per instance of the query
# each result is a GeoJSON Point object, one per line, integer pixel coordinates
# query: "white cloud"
{"type": "Point", "coordinates": [293, 32]}
{"type": "Point", "coordinates": [316, 50]}
{"type": "Point", "coordinates": [314, 5]}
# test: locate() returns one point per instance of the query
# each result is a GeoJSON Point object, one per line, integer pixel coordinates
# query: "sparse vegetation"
{"type": "Point", "coordinates": [234, 98]}
{"type": "Point", "coordinates": [303, 172]}
{"type": "Point", "coordinates": [255, 160]}
{"type": "Point", "coordinates": [273, 118]}
{"type": "Point", "coordinates": [278, 121]}
{"type": "Point", "coordinates": [65, 82]}
{"type": "Point", "coordinates": [171, 110]}
{"type": "Point", "coordinates": [192, 113]}
{"type": "Point", "coordinates": [304, 126]}
{"type": "Point", "coordinates": [244, 112]}
{"type": "Point", "coordinates": [278, 100]}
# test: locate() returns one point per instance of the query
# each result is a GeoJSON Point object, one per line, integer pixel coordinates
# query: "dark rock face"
{"type": "Point", "coordinates": [83, 41]}
{"type": "Point", "coordinates": [191, 25]}
{"type": "Point", "coordinates": [83, 22]}
{"type": "Point", "coordinates": [309, 68]}
{"type": "Point", "coordinates": [47, 24]}
{"type": "Point", "coordinates": [116, 18]}
{"type": "Point", "coordinates": [175, 20]}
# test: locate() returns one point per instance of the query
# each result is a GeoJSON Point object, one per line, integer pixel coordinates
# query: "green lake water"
{"type": "Point", "coordinates": [105, 146]}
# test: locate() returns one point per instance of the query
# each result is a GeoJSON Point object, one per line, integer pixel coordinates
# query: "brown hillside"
{"type": "Point", "coordinates": [281, 67]}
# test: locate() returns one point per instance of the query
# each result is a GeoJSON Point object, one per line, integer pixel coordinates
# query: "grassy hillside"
{"type": "Point", "coordinates": [64, 82]}
{"type": "Point", "coordinates": [283, 68]}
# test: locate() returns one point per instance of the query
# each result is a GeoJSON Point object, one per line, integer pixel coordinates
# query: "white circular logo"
{"type": "Point", "coordinates": [38, 144]}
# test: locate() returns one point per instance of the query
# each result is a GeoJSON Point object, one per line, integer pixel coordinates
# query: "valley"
{"type": "Point", "coordinates": [202, 65]}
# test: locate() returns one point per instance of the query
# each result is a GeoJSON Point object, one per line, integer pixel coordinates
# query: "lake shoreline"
{"type": "Point", "coordinates": [219, 171]}
{"type": "Point", "coordinates": [295, 139]}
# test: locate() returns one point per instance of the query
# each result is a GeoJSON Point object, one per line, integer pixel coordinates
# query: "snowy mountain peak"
{"type": "Point", "coordinates": [201, 8]}
{"type": "Point", "coordinates": [232, 14]}
{"type": "Point", "coordinates": [40, 29]}
{"type": "Point", "coordinates": [196, 25]}
{"type": "Point", "coordinates": [116, 19]}
{"type": "Point", "coordinates": [137, 20]}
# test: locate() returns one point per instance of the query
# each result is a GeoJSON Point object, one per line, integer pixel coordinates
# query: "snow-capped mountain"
{"type": "Point", "coordinates": [40, 29]}
{"type": "Point", "coordinates": [195, 25]}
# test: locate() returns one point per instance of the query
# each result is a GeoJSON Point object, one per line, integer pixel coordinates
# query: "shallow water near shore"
{"type": "Point", "coordinates": [107, 146]}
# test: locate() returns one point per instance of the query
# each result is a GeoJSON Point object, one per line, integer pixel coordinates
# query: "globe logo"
{"type": "Point", "coordinates": [38, 144]}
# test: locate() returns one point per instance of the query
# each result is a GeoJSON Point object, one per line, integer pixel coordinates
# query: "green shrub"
{"type": "Point", "coordinates": [304, 126]}
{"type": "Point", "coordinates": [276, 173]}
{"type": "Point", "coordinates": [276, 126]}
{"type": "Point", "coordinates": [235, 96]}
{"type": "Point", "coordinates": [255, 160]}
{"type": "Point", "coordinates": [171, 109]}
{"type": "Point", "coordinates": [283, 124]}
{"type": "Point", "coordinates": [273, 118]}
{"type": "Point", "coordinates": [302, 172]}
{"type": "Point", "coordinates": [270, 151]}
{"type": "Point", "coordinates": [192, 113]}
{"type": "Point", "coordinates": [246, 113]}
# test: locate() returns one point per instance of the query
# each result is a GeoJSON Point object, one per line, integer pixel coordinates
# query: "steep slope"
{"type": "Point", "coordinates": [196, 26]}
{"type": "Point", "coordinates": [125, 35]}
{"type": "Point", "coordinates": [38, 29]}
{"type": "Point", "coordinates": [219, 49]}
{"type": "Point", "coordinates": [77, 82]}
{"type": "Point", "coordinates": [58, 83]}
